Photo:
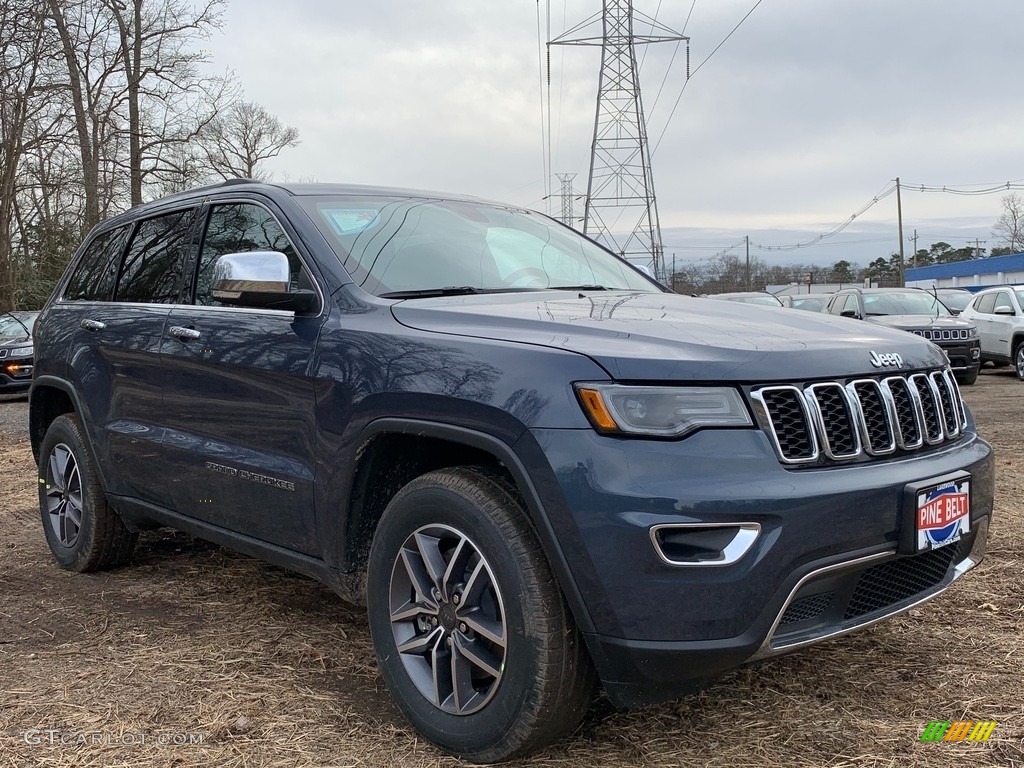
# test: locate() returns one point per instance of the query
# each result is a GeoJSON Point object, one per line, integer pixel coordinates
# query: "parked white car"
{"type": "Point", "coordinates": [999, 315]}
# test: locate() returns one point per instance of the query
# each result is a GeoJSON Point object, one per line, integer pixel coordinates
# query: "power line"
{"type": "Point", "coordinates": [694, 72]}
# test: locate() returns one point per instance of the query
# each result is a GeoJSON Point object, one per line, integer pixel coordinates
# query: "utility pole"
{"type": "Point", "coordinates": [673, 272]}
{"type": "Point", "coordinates": [899, 216]}
{"type": "Point", "coordinates": [621, 207]}
{"type": "Point", "coordinates": [566, 179]}
{"type": "Point", "coordinates": [977, 247]}
{"type": "Point", "coordinates": [747, 240]}
{"type": "Point", "coordinates": [913, 258]}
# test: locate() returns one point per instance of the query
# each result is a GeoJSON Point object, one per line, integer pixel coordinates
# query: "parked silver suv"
{"type": "Point", "coordinates": [999, 315]}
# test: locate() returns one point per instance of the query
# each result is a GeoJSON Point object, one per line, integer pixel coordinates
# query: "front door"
{"type": "Point", "coordinates": [239, 401]}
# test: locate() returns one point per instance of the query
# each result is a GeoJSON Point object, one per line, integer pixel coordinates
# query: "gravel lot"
{"type": "Point", "coordinates": [252, 666]}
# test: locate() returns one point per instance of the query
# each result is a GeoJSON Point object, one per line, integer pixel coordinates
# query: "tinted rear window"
{"type": "Point", "coordinates": [93, 279]}
{"type": "Point", "coordinates": [155, 259]}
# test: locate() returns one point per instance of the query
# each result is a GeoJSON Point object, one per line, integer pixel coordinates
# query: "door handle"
{"type": "Point", "coordinates": [184, 334]}
{"type": "Point", "coordinates": [92, 325]}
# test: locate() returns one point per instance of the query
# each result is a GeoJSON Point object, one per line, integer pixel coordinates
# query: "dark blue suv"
{"type": "Point", "coordinates": [539, 469]}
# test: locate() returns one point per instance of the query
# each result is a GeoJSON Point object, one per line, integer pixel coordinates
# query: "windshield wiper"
{"type": "Point", "coordinates": [16, 319]}
{"type": "Point", "coordinates": [579, 288]}
{"type": "Point", "coordinates": [426, 293]}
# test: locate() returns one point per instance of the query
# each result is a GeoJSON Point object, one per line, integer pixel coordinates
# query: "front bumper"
{"type": "Point", "coordinates": [659, 630]}
{"type": "Point", "coordinates": [964, 356]}
{"type": "Point", "coordinates": [15, 374]}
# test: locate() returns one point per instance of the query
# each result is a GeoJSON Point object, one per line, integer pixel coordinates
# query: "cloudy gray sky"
{"type": "Point", "coordinates": [801, 118]}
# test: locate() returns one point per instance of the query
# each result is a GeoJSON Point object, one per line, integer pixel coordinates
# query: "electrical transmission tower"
{"type": "Point", "coordinates": [621, 208]}
{"type": "Point", "coordinates": [567, 194]}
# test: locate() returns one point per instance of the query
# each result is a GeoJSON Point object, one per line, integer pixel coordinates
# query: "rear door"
{"type": "Point", "coordinates": [117, 303]}
{"type": "Point", "coordinates": [1001, 323]}
{"type": "Point", "coordinates": [239, 400]}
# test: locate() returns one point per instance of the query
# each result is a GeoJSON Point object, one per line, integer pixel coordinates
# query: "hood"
{"type": "Point", "coordinates": [920, 322]}
{"type": "Point", "coordinates": [667, 337]}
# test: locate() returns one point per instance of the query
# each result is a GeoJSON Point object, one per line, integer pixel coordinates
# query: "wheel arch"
{"type": "Point", "coordinates": [402, 449]}
{"type": "Point", "coordinates": [49, 398]}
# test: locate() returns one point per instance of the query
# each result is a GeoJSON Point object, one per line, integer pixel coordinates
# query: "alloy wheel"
{"type": "Point", "coordinates": [64, 494]}
{"type": "Point", "coordinates": [448, 619]}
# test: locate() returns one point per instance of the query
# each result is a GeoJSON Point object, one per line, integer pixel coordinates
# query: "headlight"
{"type": "Point", "coordinates": [972, 332]}
{"type": "Point", "coordinates": [661, 411]}
{"type": "Point", "coordinates": [21, 351]}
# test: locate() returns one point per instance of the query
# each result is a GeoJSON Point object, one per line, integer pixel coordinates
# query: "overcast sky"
{"type": "Point", "coordinates": [804, 115]}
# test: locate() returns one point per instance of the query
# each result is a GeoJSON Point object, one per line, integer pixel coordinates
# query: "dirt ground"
{"type": "Point", "coordinates": [196, 656]}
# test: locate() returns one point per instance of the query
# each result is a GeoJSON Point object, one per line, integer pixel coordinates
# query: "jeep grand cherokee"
{"type": "Point", "coordinates": [538, 468]}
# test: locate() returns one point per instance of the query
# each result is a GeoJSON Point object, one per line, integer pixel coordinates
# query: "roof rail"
{"type": "Point", "coordinates": [229, 182]}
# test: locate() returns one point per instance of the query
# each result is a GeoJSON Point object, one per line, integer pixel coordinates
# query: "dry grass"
{"type": "Point", "coordinates": [271, 669]}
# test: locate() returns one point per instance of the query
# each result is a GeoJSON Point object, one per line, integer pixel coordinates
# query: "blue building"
{"type": "Point", "coordinates": [972, 275]}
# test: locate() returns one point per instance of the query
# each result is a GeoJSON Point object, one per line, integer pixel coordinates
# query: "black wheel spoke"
{"type": "Point", "coordinates": [494, 631]}
{"type": "Point", "coordinates": [418, 576]}
{"type": "Point", "coordinates": [432, 559]}
{"type": "Point", "coordinates": [421, 645]}
{"type": "Point", "coordinates": [463, 691]}
{"type": "Point", "coordinates": [441, 664]}
{"type": "Point", "coordinates": [479, 656]}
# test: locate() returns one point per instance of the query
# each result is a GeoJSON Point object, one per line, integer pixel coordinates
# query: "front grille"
{"type": "Point", "coordinates": [841, 421]}
{"type": "Point", "coordinates": [934, 334]}
{"type": "Point", "coordinates": [887, 584]}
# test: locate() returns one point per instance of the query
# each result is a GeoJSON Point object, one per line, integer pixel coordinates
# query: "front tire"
{"type": "Point", "coordinates": [473, 637]}
{"type": "Point", "coordinates": [1018, 361]}
{"type": "Point", "coordinates": [83, 532]}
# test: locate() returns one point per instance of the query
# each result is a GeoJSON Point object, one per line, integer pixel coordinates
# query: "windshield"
{"type": "Point", "coordinates": [956, 300]}
{"type": "Point", "coordinates": [906, 303]}
{"type": "Point", "coordinates": [402, 245]}
{"type": "Point", "coordinates": [13, 325]}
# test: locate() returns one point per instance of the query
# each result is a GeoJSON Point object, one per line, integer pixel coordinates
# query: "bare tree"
{"type": "Point", "coordinates": [22, 103]}
{"type": "Point", "coordinates": [1010, 225]}
{"type": "Point", "coordinates": [154, 40]}
{"type": "Point", "coordinates": [237, 142]}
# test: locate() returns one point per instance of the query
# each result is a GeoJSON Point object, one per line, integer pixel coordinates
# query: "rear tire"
{"type": "Point", "coordinates": [492, 665]}
{"type": "Point", "coordinates": [1018, 361]}
{"type": "Point", "coordinates": [83, 532]}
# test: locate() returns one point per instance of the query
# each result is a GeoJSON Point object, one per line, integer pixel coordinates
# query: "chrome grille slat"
{"type": "Point", "coordinates": [956, 334]}
{"type": "Point", "coordinates": [833, 415]}
{"type": "Point", "coordinates": [842, 421]}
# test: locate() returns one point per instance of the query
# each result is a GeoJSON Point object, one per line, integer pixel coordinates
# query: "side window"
{"type": "Point", "coordinates": [240, 228]}
{"type": "Point", "coordinates": [986, 303]}
{"type": "Point", "coordinates": [850, 305]}
{"type": "Point", "coordinates": [154, 262]}
{"type": "Point", "coordinates": [1003, 300]}
{"type": "Point", "coordinates": [94, 277]}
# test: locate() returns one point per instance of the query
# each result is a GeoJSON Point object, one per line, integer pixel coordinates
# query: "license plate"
{"type": "Point", "coordinates": [943, 513]}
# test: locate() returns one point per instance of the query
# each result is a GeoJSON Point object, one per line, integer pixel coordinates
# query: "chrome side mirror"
{"type": "Point", "coordinates": [258, 279]}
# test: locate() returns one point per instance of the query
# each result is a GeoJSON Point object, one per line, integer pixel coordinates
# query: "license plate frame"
{"type": "Point", "coordinates": [936, 512]}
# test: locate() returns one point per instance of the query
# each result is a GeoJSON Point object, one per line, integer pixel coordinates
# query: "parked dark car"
{"type": "Point", "coordinates": [539, 469]}
{"type": "Point", "coordinates": [749, 297]}
{"type": "Point", "coordinates": [955, 299]}
{"type": "Point", "coordinates": [809, 302]}
{"type": "Point", "coordinates": [16, 351]}
{"type": "Point", "coordinates": [920, 313]}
